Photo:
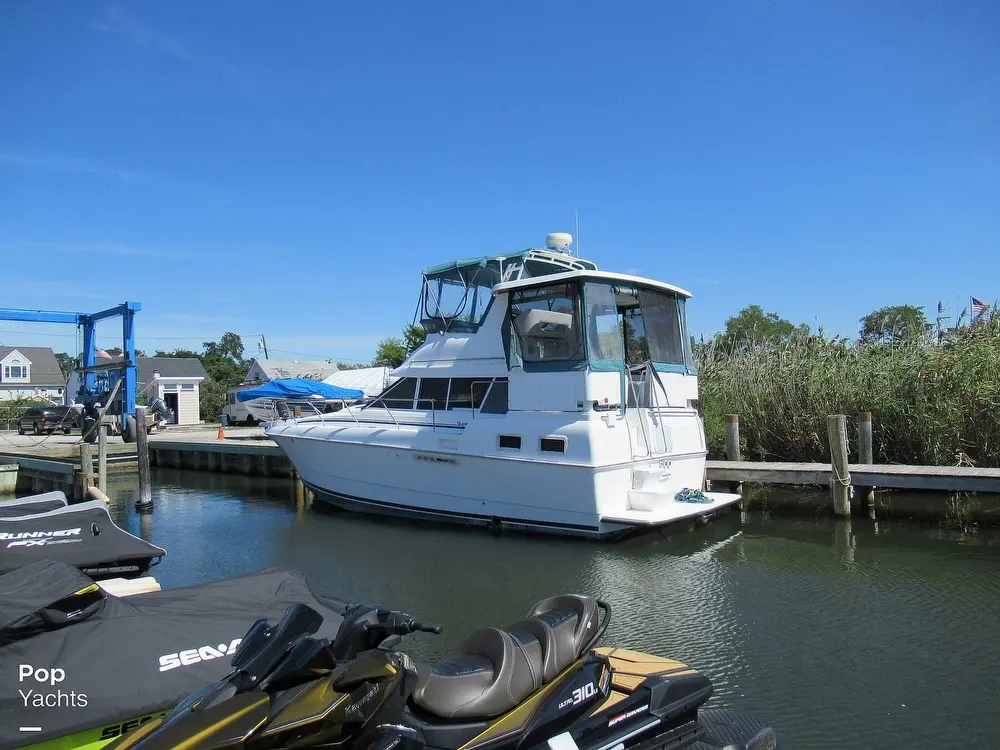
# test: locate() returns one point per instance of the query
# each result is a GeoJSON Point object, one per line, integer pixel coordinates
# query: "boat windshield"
{"type": "Point", "coordinates": [547, 326]}
{"type": "Point", "coordinates": [457, 297]}
{"type": "Point", "coordinates": [635, 324]}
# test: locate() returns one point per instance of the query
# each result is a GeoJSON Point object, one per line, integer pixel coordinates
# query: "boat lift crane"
{"type": "Point", "coordinates": [125, 370]}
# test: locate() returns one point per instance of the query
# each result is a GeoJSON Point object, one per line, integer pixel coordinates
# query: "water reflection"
{"type": "Point", "coordinates": [854, 633]}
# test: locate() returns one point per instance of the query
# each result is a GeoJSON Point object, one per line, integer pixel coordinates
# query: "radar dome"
{"type": "Point", "coordinates": [559, 241]}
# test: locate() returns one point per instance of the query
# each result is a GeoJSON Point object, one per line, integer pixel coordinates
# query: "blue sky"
{"type": "Point", "coordinates": [288, 168]}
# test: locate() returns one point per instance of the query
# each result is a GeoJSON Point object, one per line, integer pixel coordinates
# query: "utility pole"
{"type": "Point", "coordinates": [263, 344]}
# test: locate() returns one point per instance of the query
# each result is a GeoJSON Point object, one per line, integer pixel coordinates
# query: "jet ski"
{"type": "Point", "coordinates": [82, 535]}
{"type": "Point", "coordinates": [33, 504]}
{"type": "Point", "coordinates": [78, 666]}
{"type": "Point", "coordinates": [539, 683]}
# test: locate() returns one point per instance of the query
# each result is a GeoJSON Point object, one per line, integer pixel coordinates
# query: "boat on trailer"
{"type": "Point", "coordinates": [550, 396]}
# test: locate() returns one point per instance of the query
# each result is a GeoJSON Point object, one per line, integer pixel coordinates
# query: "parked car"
{"type": "Point", "coordinates": [48, 419]}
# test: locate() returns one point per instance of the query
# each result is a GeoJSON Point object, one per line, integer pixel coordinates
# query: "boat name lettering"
{"type": "Point", "coordinates": [433, 459]}
{"type": "Point", "coordinates": [627, 715]}
{"type": "Point", "coordinates": [194, 655]}
{"type": "Point", "coordinates": [38, 538]}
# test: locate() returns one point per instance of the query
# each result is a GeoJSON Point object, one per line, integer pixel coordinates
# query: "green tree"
{"type": "Point", "coordinates": [754, 326]}
{"type": "Point", "coordinates": [65, 362]}
{"type": "Point", "coordinates": [893, 324]}
{"type": "Point", "coordinates": [230, 347]}
{"type": "Point", "coordinates": [116, 351]}
{"type": "Point", "coordinates": [413, 337]}
{"type": "Point", "coordinates": [391, 352]}
{"type": "Point", "coordinates": [179, 353]}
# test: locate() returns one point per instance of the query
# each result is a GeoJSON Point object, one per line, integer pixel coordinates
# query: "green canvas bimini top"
{"type": "Point", "coordinates": [462, 262]}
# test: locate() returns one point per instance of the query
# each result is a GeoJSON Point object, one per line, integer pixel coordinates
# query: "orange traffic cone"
{"type": "Point", "coordinates": [222, 432]}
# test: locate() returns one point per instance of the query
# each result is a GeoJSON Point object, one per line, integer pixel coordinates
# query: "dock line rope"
{"type": "Point", "coordinates": [692, 496]}
{"type": "Point", "coordinates": [835, 477]}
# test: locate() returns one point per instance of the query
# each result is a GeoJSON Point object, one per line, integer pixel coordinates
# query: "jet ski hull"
{"type": "Point", "coordinates": [82, 535]}
{"type": "Point", "coordinates": [124, 659]}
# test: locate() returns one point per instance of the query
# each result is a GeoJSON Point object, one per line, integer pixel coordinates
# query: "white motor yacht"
{"type": "Point", "coordinates": [549, 396]}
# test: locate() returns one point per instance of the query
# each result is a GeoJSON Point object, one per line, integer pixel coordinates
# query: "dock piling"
{"type": "Point", "coordinates": [733, 437]}
{"type": "Point", "coordinates": [102, 457]}
{"type": "Point", "coordinates": [142, 449]}
{"type": "Point", "coordinates": [866, 495]}
{"type": "Point", "coordinates": [840, 477]}
{"type": "Point", "coordinates": [87, 466]}
{"type": "Point", "coordinates": [733, 451]}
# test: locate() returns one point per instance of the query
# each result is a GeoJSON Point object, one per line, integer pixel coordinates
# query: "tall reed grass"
{"type": "Point", "coordinates": [932, 402]}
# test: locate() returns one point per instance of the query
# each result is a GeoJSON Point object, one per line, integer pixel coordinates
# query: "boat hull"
{"type": "Point", "coordinates": [606, 531]}
{"type": "Point", "coordinates": [387, 475]}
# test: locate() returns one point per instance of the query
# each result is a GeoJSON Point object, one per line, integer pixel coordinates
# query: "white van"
{"type": "Point", "coordinates": [236, 412]}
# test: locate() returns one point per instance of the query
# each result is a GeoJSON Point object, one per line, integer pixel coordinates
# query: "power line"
{"type": "Point", "coordinates": [145, 342]}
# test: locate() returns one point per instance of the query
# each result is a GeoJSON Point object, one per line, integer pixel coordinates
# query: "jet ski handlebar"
{"type": "Point", "coordinates": [398, 623]}
{"type": "Point", "coordinates": [367, 627]}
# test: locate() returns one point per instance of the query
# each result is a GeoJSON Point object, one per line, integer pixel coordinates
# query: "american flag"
{"type": "Point", "coordinates": [979, 306]}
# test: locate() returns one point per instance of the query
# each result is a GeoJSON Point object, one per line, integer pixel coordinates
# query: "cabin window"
{"type": "Point", "coordinates": [662, 323]}
{"type": "Point", "coordinates": [546, 324]}
{"type": "Point", "coordinates": [187, 386]}
{"type": "Point", "coordinates": [496, 400]}
{"type": "Point", "coordinates": [399, 395]}
{"type": "Point", "coordinates": [510, 441]}
{"type": "Point", "coordinates": [433, 393]}
{"type": "Point", "coordinates": [467, 393]}
{"type": "Point", "coordinates": [553, 444]}
{"type": "Point", "coordinates": [604, 331]}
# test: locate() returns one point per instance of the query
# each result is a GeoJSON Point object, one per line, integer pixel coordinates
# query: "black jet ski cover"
{"type": "Point", "coordinates": [82, 535]}
{"type": "Point", "coordinates": [23, 506]}
{"type": "Point", "coordinates": [100, 660]}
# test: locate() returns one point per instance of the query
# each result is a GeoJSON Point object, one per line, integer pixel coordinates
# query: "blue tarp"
{"type": "Point", "coordinates": [298, 388]}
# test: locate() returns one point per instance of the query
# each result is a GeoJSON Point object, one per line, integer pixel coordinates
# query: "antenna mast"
{"type": "Point", "coordinates": [576, 213]}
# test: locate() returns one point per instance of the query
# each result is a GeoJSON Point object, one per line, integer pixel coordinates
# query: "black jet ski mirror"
{"type": "Point", "coordinates": [264, 648]}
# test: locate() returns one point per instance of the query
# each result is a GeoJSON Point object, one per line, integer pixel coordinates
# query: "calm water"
{"type": "Point", "coordinates": [860, 634]}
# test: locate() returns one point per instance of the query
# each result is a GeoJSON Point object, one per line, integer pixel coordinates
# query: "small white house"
{"type": "Point", "coordinates": [31, 372]}
{"type": "Point", "coordinates": [175, 380]}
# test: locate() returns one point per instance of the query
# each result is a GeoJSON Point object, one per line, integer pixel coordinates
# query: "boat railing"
{"type": "Point", "coordinates": [388, 411]}
{"type": "Point", "coordinates": [433, 412]}
{"type": "Point", "coordinates": [649, 399]}
{"type": "Point", "coordinates": [642, 422]}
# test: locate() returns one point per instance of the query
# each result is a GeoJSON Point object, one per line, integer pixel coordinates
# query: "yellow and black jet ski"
{"type": "Point", "coordinates": [539, 683]}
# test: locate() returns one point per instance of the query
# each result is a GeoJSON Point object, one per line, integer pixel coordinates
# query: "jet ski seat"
{"type": "Point", "coordinates": [494, 669]}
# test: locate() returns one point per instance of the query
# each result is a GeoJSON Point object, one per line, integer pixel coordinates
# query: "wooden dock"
{"type": "Point", "coordinates": [60, 466]}
{"type": "Point", "coordinates": [840, 475]}
{"type": "Point", "coordinates": [889, 476]}
{"type": "Point", "coordinates": [258, 457]}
